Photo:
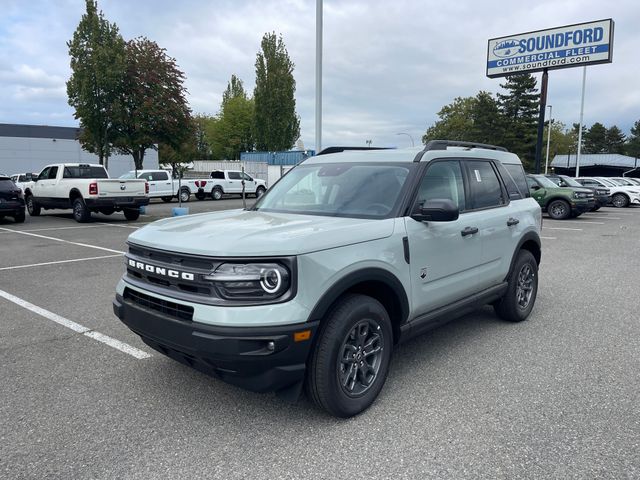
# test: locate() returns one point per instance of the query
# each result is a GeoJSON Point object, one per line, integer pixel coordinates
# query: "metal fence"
{"type": "Point", "coordinates": [202, 168]}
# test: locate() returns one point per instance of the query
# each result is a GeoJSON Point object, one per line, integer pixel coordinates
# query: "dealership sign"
{"type": "Point", "coordinates": [562, 47]}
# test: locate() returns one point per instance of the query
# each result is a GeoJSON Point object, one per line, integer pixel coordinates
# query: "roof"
{"type": "Point", "coordinates": [39, 131]}
{"type": "Point", "coordinates": [410, 154]}
{"type": "Point", "coordinates": [591, 159]}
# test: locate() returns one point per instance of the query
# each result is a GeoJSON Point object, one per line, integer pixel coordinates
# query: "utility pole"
{"type": "Point", "coordinates": [318, 76]}
{"type": "Point", "coordinates": [546, 164]}
{"type": "Point", "coordinates": [584, 79]}
{"type": "Point", "coordinates": [543, 108]}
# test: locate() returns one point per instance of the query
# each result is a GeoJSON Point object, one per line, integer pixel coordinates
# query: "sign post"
{"type": "Point", "coordinates": [575, 45]}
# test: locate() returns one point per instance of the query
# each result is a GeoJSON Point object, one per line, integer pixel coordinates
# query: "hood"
{"type": "Point", "coordinates": [253, 233]}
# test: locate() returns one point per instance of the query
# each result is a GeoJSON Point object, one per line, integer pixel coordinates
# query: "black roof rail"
{"type": "Point", "coordinates": [326, 151]}
{"type": "Point", "coordinates": [443, 144]}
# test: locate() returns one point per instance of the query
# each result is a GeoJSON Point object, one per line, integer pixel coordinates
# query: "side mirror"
{"type": "Point", "coordinates": [35, 178]}
{"type": "Point", "coordinates": [535, 188]}
{"type": "Point", "coordinates": [437, 210]}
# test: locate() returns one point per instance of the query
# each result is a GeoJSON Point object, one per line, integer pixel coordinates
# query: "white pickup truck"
{"type": "Point", "coordinates": [230, 182]}
{"type": "Point", "coordinates": [161, 185]}
{"type": "Point", "coordinates": [84, 188]}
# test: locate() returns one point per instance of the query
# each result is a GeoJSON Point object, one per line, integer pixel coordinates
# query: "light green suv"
{"type": "Point", "coordinates": [348, 255]}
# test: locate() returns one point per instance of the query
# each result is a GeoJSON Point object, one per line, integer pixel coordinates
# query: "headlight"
{"type": "Point", "coordinates": [251, 281]}
{"type": "Point", "coordinates": [580, 195]}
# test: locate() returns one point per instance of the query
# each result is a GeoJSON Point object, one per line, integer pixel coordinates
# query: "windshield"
{"type": "Point", "coordinates": [609, 182]}
{"type": "Point", "coordinates": [338, 189]}
{"type": "Point", "coordinates": [544, 181]}
{"type": "Point", "coordinates": [623, 181]}
{"type": "Point", "coordinates": [570, 181]}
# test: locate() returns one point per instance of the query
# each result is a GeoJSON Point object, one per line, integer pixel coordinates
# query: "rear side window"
{"type": "Point", "coordinates": [159, 176]}
{"type": "Point", "coordinates": [217, 174]}
{"type": "Point", "coordinates": [517, 173]}
{"type": "Point", "coordinates": [7, 185]}
{"type": "Point", "coordinates": [485, 188]}
{"type": "Point", "coordinates": [234, 176]}
{"type": "Point", "coordinates": [83, 171]}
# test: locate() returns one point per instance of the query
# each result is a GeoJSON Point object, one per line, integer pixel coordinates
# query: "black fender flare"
{"type": "Point", "coordinates": [370, 274]}
{"type": "Point", "coordinates": [527, 237]}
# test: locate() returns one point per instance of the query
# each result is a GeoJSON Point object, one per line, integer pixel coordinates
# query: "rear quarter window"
{"type": "Point", "coordinates": [517, 174]}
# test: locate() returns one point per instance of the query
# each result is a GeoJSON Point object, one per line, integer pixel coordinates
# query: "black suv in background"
{"type": "Point", "coordinates": [11, 200]}
{"type": "Point", "coordinates": [601, 195]}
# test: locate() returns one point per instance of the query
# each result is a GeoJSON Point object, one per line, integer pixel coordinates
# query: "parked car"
{"type": "Point", "coordinates": [625, 182]}
{"type": "Point", "coordinates": [621, 196]}
{"type": "Point", "coordinates": [85, 188]}
{"type": "Point", "coordinates": [161, 185]}
{"type": "Point", "coordinates": [635, 181]}
{"type": "Point", "coordinates": [602, 196]}
{"type": "Point", "coordinates": [560, 203]}
{"type": "Point", "coordinates": [11, 200]}
{"type": "Point", "coordinates": [225, 182]}
{"type": "Point", "coordinates": [387, 245]}
{"type": "Point", "coordinates": [22, 179]}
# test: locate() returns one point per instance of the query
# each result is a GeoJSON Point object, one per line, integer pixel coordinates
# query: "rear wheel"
{"type": "Point", "coordinates": [167, 199]}
{"type": "Point", "coordinates": [350, 361]}
{"type": "Point", "coordinates": [216, 193]}
{"type": "Point", "coordinates": [559, 210]}
{"type": "Point", "coordinates": [32, 207]}
{"type": "Point", "coordinates": [131, 213]}
{"type": "Point", "coordinates": [520, 297]}
{"type": "Point", "coordinates": [185, 194]}
{"type": "Point", "coordinates": [81, 213]}
{"type": "Point", "coordinates": [620, 200]}
{"type": "Point", "coordinates": [19, 217]}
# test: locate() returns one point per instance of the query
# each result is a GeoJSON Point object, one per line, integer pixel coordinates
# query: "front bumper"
{"type": "Point", "coordinates": [116, 202]}
{"type": "Point", "coordinates": [238, 355]}
{"type": "Point", "coordinates": [581, 206]}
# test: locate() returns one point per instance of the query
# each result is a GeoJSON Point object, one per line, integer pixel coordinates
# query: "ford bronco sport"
{"type": "Point", "coordinates": [346, 256]}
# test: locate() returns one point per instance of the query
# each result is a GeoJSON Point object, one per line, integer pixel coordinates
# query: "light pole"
{"type": "Point", "coordinates": [318, 76]}
{"type": "Point", "coordinates": [546, 164]}
{"type": "Point", "coordinates": [403, 133]}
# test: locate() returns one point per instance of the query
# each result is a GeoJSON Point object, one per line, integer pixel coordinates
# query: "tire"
{"type": "Point", "coordinates": [260, 191]}
{"type": "Point", "coordinates": [518, 301]}
{"type": "Point", "coordinates": [166, 199]}
{"type": "Point", "coordinates": [620, 200]}
{"type": "Point", "coordinates": [81, 213]}
{"type": "Point", "coordinates": [185, 195]}
{"type": "Point", "coordinates": [559, 210]}
{"type": "Point", "coordinates": [201, 195]}
{"type": "Point", "coordinates": [20, 217]}
{"type": "Point", "coordinates": [131, 213]}
{"type": "Point", "coordinates": [32, 207]}
{"type": "Point", "coordinates": [107, 210]}
{"type": "Point", "coordinates": [356, 323]}
{"type": "Point", "coordinates": [216, 193]}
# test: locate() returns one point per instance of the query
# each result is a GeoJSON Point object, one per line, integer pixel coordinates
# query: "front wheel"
{"type": "Point", "coordinates": [260, 191]}
{"type": "Point", "coordinates": [559, 210]}
{"type": "Point", "coordinates": [131, 213]}
{"type": "Point", "coordinates": [518, 301]}
{"type": "Point", "coordinates": [185, 194]}
{"type": "Point", "coordinates": [32, 207]}
{"type": "Point", "coordinates": [620, 200]}
{"type": "Point", "coordinates": [81, 213]}
{"type": "Point", "coordinates": [350, 361]}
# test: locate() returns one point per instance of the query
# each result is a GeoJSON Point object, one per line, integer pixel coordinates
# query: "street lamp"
{"type": "Point", "coordinates": [403, 133]}
{"type": "Point", "coordinates": [546, 165]}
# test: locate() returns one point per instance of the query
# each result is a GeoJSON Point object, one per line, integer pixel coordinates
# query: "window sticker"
{"type": "Point", "coordinates": [478, 178]}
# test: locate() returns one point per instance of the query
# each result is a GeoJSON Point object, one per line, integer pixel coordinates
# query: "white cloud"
{"type": "Point", "coordinates": [388, 66]}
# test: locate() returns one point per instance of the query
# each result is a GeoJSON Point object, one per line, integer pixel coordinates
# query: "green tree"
{"type": "Point", "coordinates": [203, 147]}
{"type": "Point", "coordinates": [520, 107]}
{"type": "Point", "coordinates": [615, 140]}
{"type": "Point", "coordinates": [632, 146]}
{"type": "Point", "coordinates": [153, 106]}
{"type": "Point", "coordinates": [473, 119]}
{"type": "Point", "coordinates": [595, 139]}
{"type": "Point", "coordinates": [235, 88]}
{"type": "Point", "coordinates": [97, 54]}
{"type": "Point", "coordinates": [277, 126]}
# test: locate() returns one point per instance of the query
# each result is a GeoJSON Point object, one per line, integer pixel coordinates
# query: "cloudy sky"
{"type": "Point", "coordinates": [389, 66]}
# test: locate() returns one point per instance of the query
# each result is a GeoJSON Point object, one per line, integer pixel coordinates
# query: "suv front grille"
{"type": "Point", "coordinates": [170, 309]}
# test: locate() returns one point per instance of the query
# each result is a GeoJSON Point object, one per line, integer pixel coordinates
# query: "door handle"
{"type": "Point", "coordinates": [469, 231]}
{"type": "Point", "coordinates": [512, 221]}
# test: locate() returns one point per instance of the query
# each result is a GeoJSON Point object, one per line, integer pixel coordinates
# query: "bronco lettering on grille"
{"type": "Point", "coordinates": [165, 272]}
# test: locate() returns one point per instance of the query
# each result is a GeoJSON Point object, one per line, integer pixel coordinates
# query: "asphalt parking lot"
{"type": "Point", "coordinates": [557, 396]}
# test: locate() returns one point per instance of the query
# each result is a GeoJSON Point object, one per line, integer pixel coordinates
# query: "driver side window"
{"type": "Point", "coordinates": [442, 181]}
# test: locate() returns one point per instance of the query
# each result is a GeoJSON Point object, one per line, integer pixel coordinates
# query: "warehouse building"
{"type": "Point", "coordinates": [597, 165]}
{"type": "Point", "coordinates": [29, 148]}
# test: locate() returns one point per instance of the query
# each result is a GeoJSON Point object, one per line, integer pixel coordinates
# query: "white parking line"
{"type": "Point", "coordinates": [63, 241]}
{"type": "Point", "coordinates": [76, 327]}
{"type": "Point", "coordinates": [607, 217]}
{"type": "Point", "coordinates": [59, 261]}
{"type": "Point", "coordinates": [590, 223]}
{"type": "Point", "coordinates": [563, 228]}
{"type": "Point", "coordinates": [123, 226]}
{"type": "Point", "coordinates": [548, 238]}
